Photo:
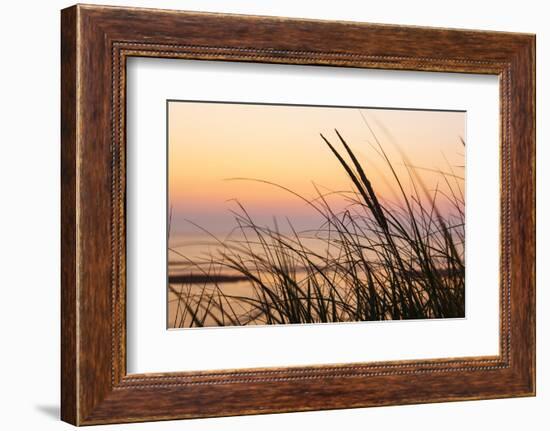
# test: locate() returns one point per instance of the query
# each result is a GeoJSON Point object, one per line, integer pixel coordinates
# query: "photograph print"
{"type": "Point", "coordinates": [299, 214]}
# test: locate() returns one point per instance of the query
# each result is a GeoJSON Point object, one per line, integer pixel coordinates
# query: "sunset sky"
{"type": "Point", "coordinates": [211, 143]}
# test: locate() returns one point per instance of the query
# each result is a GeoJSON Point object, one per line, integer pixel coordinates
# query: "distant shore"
{"type": "Point", "coordinates": [203, 278]}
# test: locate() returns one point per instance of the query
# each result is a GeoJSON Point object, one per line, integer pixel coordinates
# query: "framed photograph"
{"type": "Point", "coordinates": [264, 215]}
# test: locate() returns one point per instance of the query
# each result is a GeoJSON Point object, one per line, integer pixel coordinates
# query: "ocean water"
{"type": "Point", "coordinates": [199, 267]}
{"type": "Point", "coordinates": [194, 269]}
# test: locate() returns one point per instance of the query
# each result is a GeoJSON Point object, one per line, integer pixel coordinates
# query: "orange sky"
{"type": "Point", "coordinates": [209, 143]}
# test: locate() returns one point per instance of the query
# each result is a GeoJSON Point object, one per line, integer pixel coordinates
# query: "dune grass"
{"type": "Point", "coordinates": [382, 260]}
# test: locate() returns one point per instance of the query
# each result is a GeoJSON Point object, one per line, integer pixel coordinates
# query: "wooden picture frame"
{"type": "Point", "coordinates": [96, 41]}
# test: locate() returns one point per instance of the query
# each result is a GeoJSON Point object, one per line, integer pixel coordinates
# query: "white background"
{"type": "Point", "coordinates": [151, 348]}
{"type": "Point", "coordinates": [29, 220]}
